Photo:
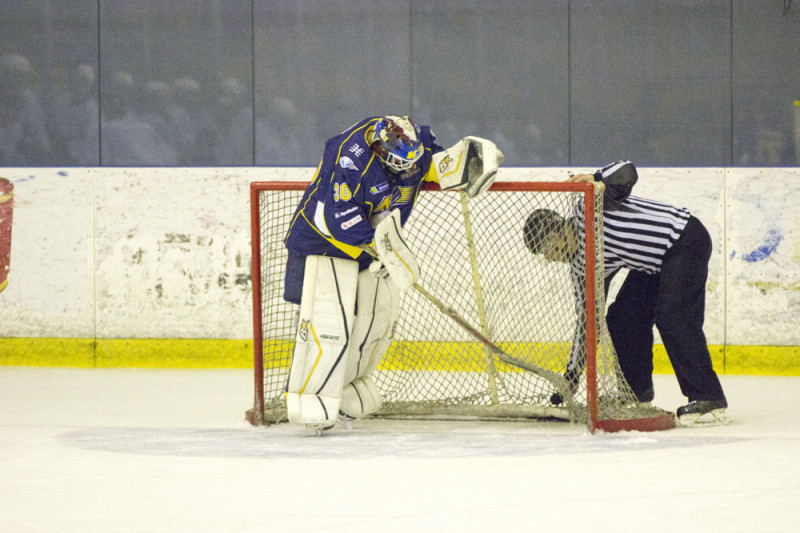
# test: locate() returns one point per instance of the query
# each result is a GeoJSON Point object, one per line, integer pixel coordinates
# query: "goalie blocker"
{"type": "Point", "coordinates": [470, 165]}
{"type": "Point", "coordinates": [393, 253]}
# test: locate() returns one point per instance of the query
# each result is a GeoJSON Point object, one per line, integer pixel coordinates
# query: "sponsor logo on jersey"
{"type": "Point", "coordinates": [346, 162]}
{"type": "Point", "coordinates": [330, 337]}
{"type": "Point", "coordinates": [352, 222]}
{"type": "Point", "coordinates": [377, 189]}
{"type": "Point", "coordinates": [356, 149]}
{"type": "Point", "coordinates": [345, 213]}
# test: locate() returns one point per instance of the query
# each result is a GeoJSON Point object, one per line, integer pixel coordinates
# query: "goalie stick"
{"type": "Point", "coordinates": [553, 377]}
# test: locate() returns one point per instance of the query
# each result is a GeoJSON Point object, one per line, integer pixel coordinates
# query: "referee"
{"type": "Point", "coordinates": [666, 251]}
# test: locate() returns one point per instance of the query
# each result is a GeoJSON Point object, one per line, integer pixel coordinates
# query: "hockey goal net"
{"type": "Point", "coordinates": [473, 258]}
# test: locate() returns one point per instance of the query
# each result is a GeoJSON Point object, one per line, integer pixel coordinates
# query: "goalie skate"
{"type": "Point", "coordinates": [319, 429]}
{"type": "Point", "coordinates": [343, 419]}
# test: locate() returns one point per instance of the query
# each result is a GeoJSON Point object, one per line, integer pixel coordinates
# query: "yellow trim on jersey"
{"type": "Point", "coordinates": [431, 176]}
{"type": "Point", "coordinates": [352, 251]}
{"type": "Point", "coordinates": [369, 133]}
{"type": "Point", "coordinates": [385, 204]}
{"type": "Point", "coordinates": [406, 194]}
{"type": "Point", "coordinates": [349, 249]}
{"type": "Point", "coordinates": [314, 180]}
{"type": "Point", "coordinates": [366, 128]}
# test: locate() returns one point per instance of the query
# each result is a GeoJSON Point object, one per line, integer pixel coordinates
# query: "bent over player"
{"type": "Point", "coordinates": [666, 251]}
{"type": "Point", "coordinates": [364, 190]}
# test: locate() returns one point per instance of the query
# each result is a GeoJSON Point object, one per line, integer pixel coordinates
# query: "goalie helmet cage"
{"type": "Point", "coordinates": [473, 257]}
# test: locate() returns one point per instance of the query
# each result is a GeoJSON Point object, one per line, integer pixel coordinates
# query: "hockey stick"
{"type": "Point", "coordinates": [554, 378]}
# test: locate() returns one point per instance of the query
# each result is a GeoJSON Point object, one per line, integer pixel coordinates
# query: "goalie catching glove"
{"type": "Point", "coordinates": [393, 253]}
{"type": "Point", "coordinates": [470, 164]}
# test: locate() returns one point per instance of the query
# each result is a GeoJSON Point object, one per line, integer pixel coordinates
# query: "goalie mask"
{"type": "Point", "coordinates": [396, 142]}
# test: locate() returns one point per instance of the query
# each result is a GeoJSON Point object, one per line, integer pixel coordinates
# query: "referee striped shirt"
{"type": "Point", "coordinates": [637, 232]}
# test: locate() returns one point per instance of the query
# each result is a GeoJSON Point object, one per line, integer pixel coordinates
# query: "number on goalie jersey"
{"type": "Point", "coordinates": [666, 252]}
{"type": "Point", "coordinates": [376, 166]}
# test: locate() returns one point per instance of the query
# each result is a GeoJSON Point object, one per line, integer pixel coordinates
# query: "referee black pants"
{"type": "Point", "coordinates": [673, 300]}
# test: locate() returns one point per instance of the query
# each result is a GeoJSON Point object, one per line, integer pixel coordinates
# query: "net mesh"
{"type": "Point", "coordinates": [473, 257]}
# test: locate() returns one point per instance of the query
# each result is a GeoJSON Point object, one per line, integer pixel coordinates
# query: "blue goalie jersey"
{"type": "Point", "coordinates": [351, 186]}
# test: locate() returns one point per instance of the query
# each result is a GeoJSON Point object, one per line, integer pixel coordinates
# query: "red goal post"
{"type": "Point", "coordinates": [473, 258]}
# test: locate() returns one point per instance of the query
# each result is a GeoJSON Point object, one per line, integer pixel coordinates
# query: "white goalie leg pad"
{"type": "Point", "coordinates": [470, 164]}
{"type": "Point", "coordinates": [378, 310]}
{"type": "Point", "coordinates": [386, 314]}
{"type": "Point", "coordinates": [361, 398]}
{"type": "Point", "coordinates": [394, 253]}
{"type": "Point", "coordinates": [316, 374]}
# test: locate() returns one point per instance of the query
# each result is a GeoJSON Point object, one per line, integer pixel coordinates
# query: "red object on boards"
{"type": "Point", "coordinates": [6, 210]}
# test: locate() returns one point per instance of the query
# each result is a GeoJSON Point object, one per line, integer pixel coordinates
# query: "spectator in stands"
{"type": "Point", "coordinates": [127, 140]}
{"type": "Point", "coordinates": [74, 120]}
{"type": "Point", "coordinates": [23, 136]}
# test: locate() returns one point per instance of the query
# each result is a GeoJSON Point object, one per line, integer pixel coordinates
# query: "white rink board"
{"type": "Point", "coordinates": [51, 278]}
{"type": "Point", "coordinates": [164, 252]}
{"type": "Point", "coordinates": [763, 256]}
{"type": "Point", "coordinates": [172, 253]}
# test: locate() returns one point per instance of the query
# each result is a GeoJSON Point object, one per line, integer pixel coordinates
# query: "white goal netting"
{"type": "Point", "coordinates": [473, 258]}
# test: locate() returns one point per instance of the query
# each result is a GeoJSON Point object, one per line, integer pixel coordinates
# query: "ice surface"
{"type": "Point", "coordinates": [169, 451]}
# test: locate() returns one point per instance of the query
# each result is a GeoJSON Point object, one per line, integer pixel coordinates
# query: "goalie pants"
{"type": "Point", "coordinates": [674, 301]}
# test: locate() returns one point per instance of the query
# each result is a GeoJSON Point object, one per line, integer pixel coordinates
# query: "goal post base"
{"type": "Point", "coordinates": [656, 423]}
{"type": "Point", "coordinates": [256, 417]}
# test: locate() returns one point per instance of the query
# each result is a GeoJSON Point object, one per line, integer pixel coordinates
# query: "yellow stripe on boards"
{"type": "Point", "coordinates": [763, 360]}
{"type": "Point", "coordinates": [35, 351]}
{"type": "Point", "coordinates": [174, 353]}
{"type": "Point", "coordinates": [429, 356]}
{"type": "Point", "coordinates": [126, 353]}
